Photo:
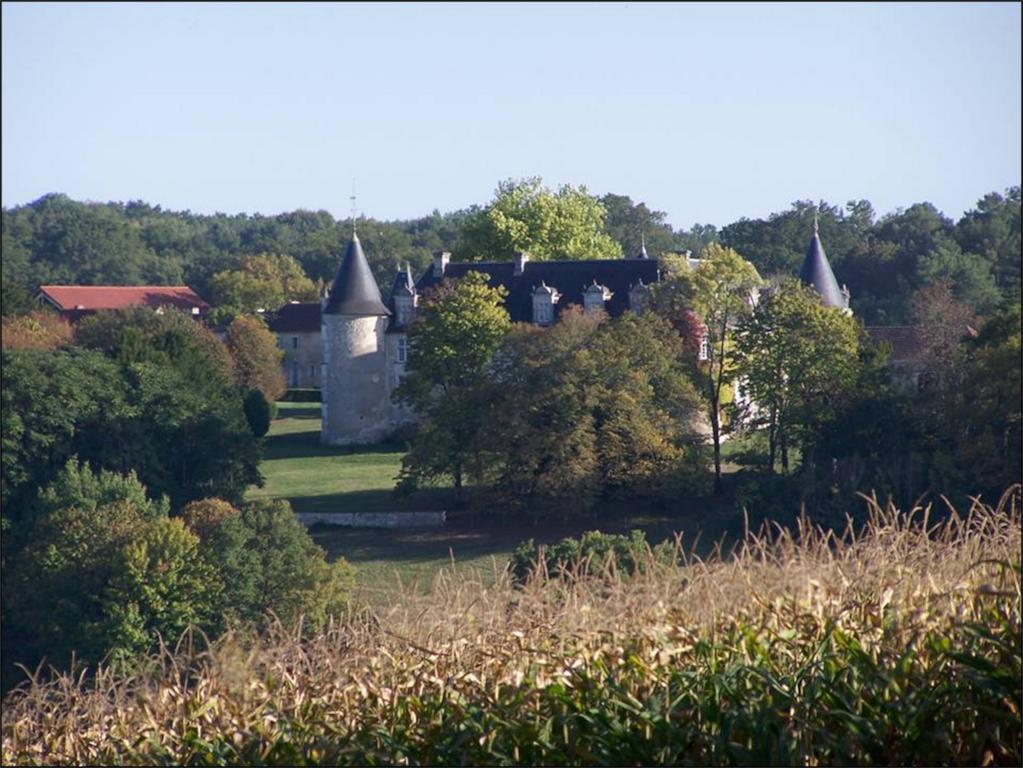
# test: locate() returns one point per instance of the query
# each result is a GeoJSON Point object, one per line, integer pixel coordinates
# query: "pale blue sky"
{"type": "Point", "coordinates": [707, 112]}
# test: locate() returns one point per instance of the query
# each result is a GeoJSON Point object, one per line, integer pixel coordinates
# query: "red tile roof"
{"type": "Point", "coordinates": [69, 298]}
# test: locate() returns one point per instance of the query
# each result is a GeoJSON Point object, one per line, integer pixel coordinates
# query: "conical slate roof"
{"type": "Point", "coordinates": [354, 291]}
{"type": "Point", "coordinates": [816, 272]}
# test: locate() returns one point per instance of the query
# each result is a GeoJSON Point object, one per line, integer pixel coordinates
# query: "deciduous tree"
{"type": "Point", "coordinates": [721, 291]}
{"type": "Point", "coordinates": [257, 358]}
{"type": "Point", "coordinates": [261, 282]}
{"type": "Point", "coordinates": [799, 361]}
{"type": "Point", "coordinates": [456, 331]}
{"type": "Point", "coordinates": [526, 216]}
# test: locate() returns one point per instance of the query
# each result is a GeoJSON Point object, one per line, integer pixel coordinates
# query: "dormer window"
{"type": "Point", "coordinates": [595, 297]}
{"type": "Point", "coordinates": [543, 314]}
{"type": "Point", "coordinates": [544, 299]}
{"type": "Point", "coordinates": [404, 297]}
{"type": "Point", "coordinates": [403, 309]}
{"type": "Point", "coordinates": [639, 297]}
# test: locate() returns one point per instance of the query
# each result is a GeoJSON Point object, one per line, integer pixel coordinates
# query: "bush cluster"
{"type": "Point", "coordinates": [107, 573]}
{"type": "Point", "coordinates": [592, 553]}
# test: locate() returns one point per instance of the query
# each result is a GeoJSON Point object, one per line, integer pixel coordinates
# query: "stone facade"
{"type": "Point", "coordinates": [303, 358]}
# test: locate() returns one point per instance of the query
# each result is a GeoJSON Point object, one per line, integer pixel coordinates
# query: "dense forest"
{"type": "Point", "coordinates": [883, 259]}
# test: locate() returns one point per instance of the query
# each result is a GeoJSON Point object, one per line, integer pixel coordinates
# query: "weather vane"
{"type": "Point", "coordinates": [352, 198]}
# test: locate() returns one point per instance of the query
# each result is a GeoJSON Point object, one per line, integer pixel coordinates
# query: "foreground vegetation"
{"type": "Point", "coordinates": [898, 643]}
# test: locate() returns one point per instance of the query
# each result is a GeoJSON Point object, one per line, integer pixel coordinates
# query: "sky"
{"type": "Point", "coordinates": [708, 112]}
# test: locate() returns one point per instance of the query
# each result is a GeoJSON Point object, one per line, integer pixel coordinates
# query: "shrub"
{"type": "Point", "coordinates": [268, 563]}
{"type": "Point", "coordinates": [159, 586]}
{"type": "Point", "coordinates": [258, 412]}
{"type": "Point", "coordinates": [36, 330]}
{"type": "Point", "coordinates": [591, 553]}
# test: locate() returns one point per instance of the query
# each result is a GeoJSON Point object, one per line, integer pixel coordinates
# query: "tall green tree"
{"type": "Point", "coordinates": [526, 216]}
{"type": "Point", "coordinates": [170, 338]}
{"type": "Point", "coordinates": [456, 331]}
{"type": "Point", "coordinates": [261, 282]}
{"type": "Point", "coordinates": [992, 231]}
{"type": "Point", "coordinates": [589, 408]}
{"type": "Point", "coordinates": [721, 290]}
{"type": "Point", "coordinates": [799, 360]}
{"type": "Point", "coordinates": [632, 225]}
{"type": "Point", "coordinates": [968, 274]}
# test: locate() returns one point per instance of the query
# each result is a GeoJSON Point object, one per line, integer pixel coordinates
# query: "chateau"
{"type": "Point", "coordinates": [353, 344]}
{"type": "Point", "coordinates": [363, 339]}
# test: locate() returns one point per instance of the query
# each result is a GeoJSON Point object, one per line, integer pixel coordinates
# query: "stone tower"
{"type": "Point", "coordinates": [356, 402]}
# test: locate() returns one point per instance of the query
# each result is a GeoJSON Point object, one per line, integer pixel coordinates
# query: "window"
{"type": "Point", "coordinates": [294, 374]}
{"type": "Point", "coordinates": [294, 342]}
{"type": "Point", "coordinates": [704, 349]}
{"type": "Point", "coordinates": [543, 313]}
{"type": "Point", "coordinates": [402, 350]}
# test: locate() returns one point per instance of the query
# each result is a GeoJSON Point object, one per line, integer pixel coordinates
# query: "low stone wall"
{"type": "Point", "coordinates": [375, 519]}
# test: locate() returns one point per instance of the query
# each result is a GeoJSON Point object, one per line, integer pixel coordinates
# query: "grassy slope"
{"type": "Point", "coordinates": [316, 478]}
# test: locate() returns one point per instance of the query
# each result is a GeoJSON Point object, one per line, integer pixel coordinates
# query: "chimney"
{"type": "Point", "coordinates": [440, 261]}
{"type": "Point", "coordinates": [520, 262]}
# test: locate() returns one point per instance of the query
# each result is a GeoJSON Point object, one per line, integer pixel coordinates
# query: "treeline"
{"type": "Point", "coordinates": [883, 259]}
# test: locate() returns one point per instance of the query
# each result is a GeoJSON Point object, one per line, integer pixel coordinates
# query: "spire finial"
{"type": "Point", "coordinates": [642, 247]}
{"type": "Point", "coordinates": [815, 232]}
{"type": "Point", "coordinates": [352, 198]}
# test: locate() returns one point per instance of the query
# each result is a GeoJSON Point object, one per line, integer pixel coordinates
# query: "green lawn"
{"type": "Point", "coordinates": [316, 478]}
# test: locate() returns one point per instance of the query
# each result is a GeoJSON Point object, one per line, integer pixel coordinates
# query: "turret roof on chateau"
{"type": "Point", "coordinates": [816, 272]}
{"type": "Point", "coordinates": [570, 278]}
{"type": "Point", "coordinates": [354, 291]}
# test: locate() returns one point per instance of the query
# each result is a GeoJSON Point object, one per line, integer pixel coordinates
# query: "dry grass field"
{"type": "Point", "coordinates": [895, 644]}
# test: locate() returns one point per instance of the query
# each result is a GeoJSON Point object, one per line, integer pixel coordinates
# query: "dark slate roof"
{"type": "Point", "coordinates": [570, 278]}
{"type": "Point", "coordinates": [816, 272]}
{"type": "Point", "coordinates": [296, 317]}
{"type": "Point", "coordinates": [403, 283]}
{"type": "Point", "coordinates": [354, 291]}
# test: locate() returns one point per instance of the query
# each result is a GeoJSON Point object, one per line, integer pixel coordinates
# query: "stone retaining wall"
{"type": "Point", "coordinates": [375, 519]}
